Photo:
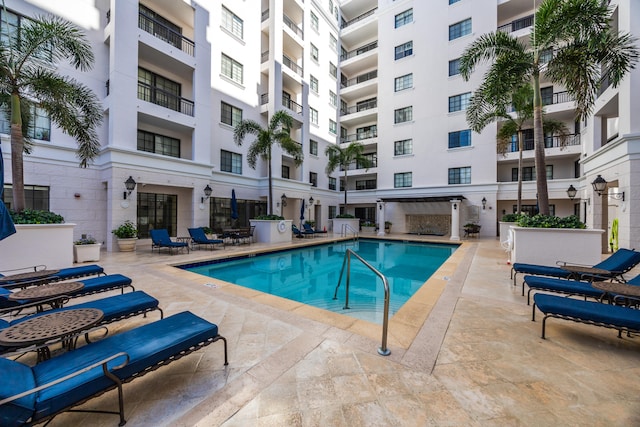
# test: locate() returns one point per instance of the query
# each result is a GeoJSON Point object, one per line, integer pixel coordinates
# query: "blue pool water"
{"type": "Point", "coordinates": [310, 275]}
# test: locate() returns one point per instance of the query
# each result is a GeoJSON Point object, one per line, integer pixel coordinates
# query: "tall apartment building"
{"type": "Point", "coordinates": [175, 77]}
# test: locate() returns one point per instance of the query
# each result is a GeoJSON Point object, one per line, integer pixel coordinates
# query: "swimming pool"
{"type": "Point", "coordinates": [310, 275]}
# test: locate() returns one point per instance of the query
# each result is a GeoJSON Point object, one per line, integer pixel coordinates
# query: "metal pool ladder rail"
{"type": "Point", "coordinates": [346, 228]}
{"type": "Point", "coordinates": [383, 350]}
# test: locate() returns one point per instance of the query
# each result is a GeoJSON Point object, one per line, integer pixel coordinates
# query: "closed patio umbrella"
{"type": "Point", "coordinates": [6, 223]}
{"type": "Point", "coordinates": [301, 213]}
{"type": "Point", "coordinates": [234, 205]}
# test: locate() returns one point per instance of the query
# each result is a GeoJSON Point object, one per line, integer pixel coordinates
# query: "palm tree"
{"type": "Point", "coordinates": [483, 110]}
{"type": "Point", "coordinates": [343, 157]}
{"type": "Point", "coordinates": [278, 131]}
{"type": "Point", "coordinates": [28, 76]}
{"type": "Point", "coordinates": [572, 44]}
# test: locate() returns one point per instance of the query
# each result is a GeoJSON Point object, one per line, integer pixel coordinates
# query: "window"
{"type": "Point", "coordinates": [453, 1]}
{"type": "Point", "coordinates": [333, 70]}
{"type": "Point", "coordinates": [404, 18]}
{"type": "Point", "coordinates": [341, 184]}
{"type": "Point", "coordinates": [454, 67]}
{"type": "Point", "coordinates": [230, 162]}
{"type": "Point", "coordinates": [229, 114]}
{"type": "Point", "coordinates": [333, 98]}
{"type": "Point", "coordinates": [366, 184]}
{"type": "Point", "coordinates": [315, 24]}
{"type": "Point", "coordinates": [332, 183]}
{"type": "Point", "coordinates": [459, 102]}
{"type": "Point", "coordinates": [330, 6]}
{"type": "Point", "coordinates": [313, 179]}
{"type": "Point", "coordinates": [313, 116]}
{"type": "Point", "coordinates": [333, 127]}
{"type": "Point", "coordinates": [403, 147]}
{"type": "Point", "coordinates": [157, 211]}
{"type": "Point", "coordinates": [366, 132]}
{"type": "Point", "coordinates": [546, 94]}
{"type": "Point", "coordinates": [285, 172]}
{"type": "Point", "coordinates": [159, 144]}
{"type": "Point", "coordinates": [332, 212]}
{"type": "Point", "coordinates": [532, 210]}
{"type": "Point", "coordinates": [39, 125]}
{"type": "Point", "coordinates": [401, 180]}
{"type": "Point", "coordinates": [313, 83]}
{"type": "Point", "coordinates": [232, 23]}
{"type": "Point", "coordinates": [313, 147]}
{"type": "Point", "coordinates": [36, 196]}
{"type": "Point", "coordinates": [461, 138]}
{"type": "Point", "coordinates": [460, 175]}
{"type": "Point", "coordinates": [404, 82]}
{"type": "Point", "coordinates": [404, 49]}
{"type": "Point", "coordinates": [460, 29]}
{"type": "Point", "coordinates": [158, 90]}
{"type": "Point", "coordinates": [315, 54]}
{"type": "Point", "coordinates": [402, 115]}
{"type": "Point", "coordinates": [529, 173]}
{"type": "Point", "coordinates": [333, 42]}
{"type": "Point", "coordinates": [232, 69]}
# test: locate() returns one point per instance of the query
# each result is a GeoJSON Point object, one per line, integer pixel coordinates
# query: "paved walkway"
{"type": "Point", "coordinates": [477, 359]}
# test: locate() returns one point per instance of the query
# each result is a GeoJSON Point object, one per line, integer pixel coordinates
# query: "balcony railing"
{"type": "Point", "coordinates": [605, 82]}
{"type": "Point", "coordinates": [516, 25]}
{"type": "Point", "coordinates": [264, 98]}
{"type": "Point", "coordinates": [363, 106]}
{"type": "Point", "coordinates": [265, 15]}
{"type": "Point", "coordinates": [359, 51]}
{"type": "Point", "coordinates": [360, 79]}
{"type": "Point", "coordinates": [165, 33]}
{"type": "Point", "coordinates": [264, 57]}
{"type": "Point", "coordinates": [289, 23]}
{"type": "Point", "coordinates": [292, 105]}
{"type": "Point", "coordinates": [549, 142]}
{"type": "Point", "coordinates": [292, 65]}
{"type": "Point", "coordinates": [557, 98]}
{"type": "Point", "coordinates": [360, 136]}
{"type": "Point", "coordinates": [165, 99]}
{"type": "Point", "coordinates": [358, 18]}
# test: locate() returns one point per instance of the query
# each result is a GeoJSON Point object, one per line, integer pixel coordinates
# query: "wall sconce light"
{"type": "Point", "coordinates": [380, 206]}
{"type": "Point", "coordinates": [455, 206]}
{"type": "Point", "coordinates": [207, 193]}
{"type": "Point", "coordinates": [600, 186]}
{"type": "Point", "coordinates": [571, 192]}
{"type": "Point", "coordinates": [484, 203]}
{"type": "Point", "coordinates": [130, 185]}
{"type": "Point", "coordinates": [283, 200]}
{"type": "Point", "coordinates": [311, 201]}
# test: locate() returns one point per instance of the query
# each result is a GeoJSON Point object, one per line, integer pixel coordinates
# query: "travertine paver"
{"type": "Point", "coordinates": [477, 360]}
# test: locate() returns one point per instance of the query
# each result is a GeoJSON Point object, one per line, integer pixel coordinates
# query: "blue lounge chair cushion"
{"type": "Point", "coordinates": [146, 346]}
{"type": "Point", "coordinates": [606, 314]}
{"type": "Point", "coordinates": [199, 237]}
{"type": "Point", "coordinates": [541, 270]}
{"type": "Point", "coordinates": [161, 238]}
{"type": "Point", "coordinates": [112, 308]}
{"type": "Point", "coordinates": [563, 286]}
{"type": "Point", "coordinates": [16, 378]}
{"type": "Point", "coordinates": [81, 271]}
{"type": "Point", "coordinates": [102, 284]}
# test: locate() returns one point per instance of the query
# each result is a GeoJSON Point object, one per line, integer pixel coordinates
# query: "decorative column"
{"type": "Point", "coordinates": [455, 219]}
{"type": "Point", "coordinates": [380, 218]}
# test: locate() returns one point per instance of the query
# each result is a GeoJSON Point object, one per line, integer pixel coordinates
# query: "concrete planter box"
{"type": "Point", "coordinates": [547, 245]}
{"type": "Point", "coordinates": [38, 244]}
{"type": "Point", "coordinates": [268, 231]}
{"type": "Point", "coordinates": [368, 230]}
{"type": "Point", "coordinates": [86, 253]}
{"type": "Point", "coordinates": [338, 223]}
{"type": "Point", "coordinates": [504, 230]}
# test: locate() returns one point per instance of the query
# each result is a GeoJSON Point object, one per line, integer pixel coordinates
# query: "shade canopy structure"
{"type": "Point", "coordinates": [6, 223]}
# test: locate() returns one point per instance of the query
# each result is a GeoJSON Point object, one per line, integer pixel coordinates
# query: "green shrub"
{"type": "Point", "coordinates": [269, 218]}
{"type": "Point", "coordinates": [512, 217]}
{"type": "Point", "coordinates": [128, 230]}
{"type": "Point", "coordinates": [548, 221]}
{"type": "Point", "coordinates": [368, 224]}
{"type": "Point", "coordinates": [207, 230]}
{"type": "Point", "coordinates": [345, 216]}
{"type": "Point", "coordinates": [87, 240]}
{"type": "Point", "coordinates": [30, 216]}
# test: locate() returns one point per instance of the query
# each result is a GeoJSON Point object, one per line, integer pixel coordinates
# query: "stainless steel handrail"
{"type": "Point", "coordinates": [383, 350]}
{"type": "Point", "coordinates": [346, 228]}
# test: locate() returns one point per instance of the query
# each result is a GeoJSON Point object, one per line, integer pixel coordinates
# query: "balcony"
{"type": "Point", "coordinates": [359, 51]}
{"type": "Point", "coordinates": [292, 105]}
{"type": "Point", "coordinates": [289, 23]}
{"type": "Point", "coordinates": [289, 63]}
{"type": "Point", "coordinates": [264, 56]}
{"type": "Point", "coordinates": [552, 99]}
{"type": "Point", "coordinates": [158, 96]}
{"type": "Point", "coordinates": [361, 106]}
{"type": "Point", "coordinates": [359, 79]}
{"type": "Point", "coordinates": [358, 18]}
{"type": "Point", "coordinates": [165, 33]}
{"type": "Point", "coordinates": [360, 137]}
{"type": "Point", "coordinates": [516, 25]}
{"type": "Point", "coordinates": [549, 142]}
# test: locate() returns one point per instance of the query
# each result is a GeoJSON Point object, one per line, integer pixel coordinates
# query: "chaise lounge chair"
{"type": "Point", "coordinates": [591, 313]}
{"type": "Point", "coordinates": [30, 395]}
{"type": "Point", "coordinates": [615, 266]}
{"type": "Point", "coordinates": [160, 239]}
{"type": "Point", "coordinates": [307, 227]}
{"type": "Point", "coordinates": [62, 274]}
{"type": "Point", "coordinates": [199, 238]}
{"type": "Point", "coordinates": [115, 308]}
{"type": "Point", "coordinates": [300, 234]}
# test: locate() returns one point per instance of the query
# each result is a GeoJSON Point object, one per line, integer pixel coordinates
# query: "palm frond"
{"type": "Point", "coordinates": [488, 47]}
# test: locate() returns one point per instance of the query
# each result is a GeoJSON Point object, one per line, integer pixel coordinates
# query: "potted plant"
{"type": "Point", "coordinates": [86, 249]}
{"type": "Point", "coordinates": [387, 227]}
{"type": "Point", "coordinates": [368, 227]}
{"type": "Point", "coordinates": [127, 234]}
{"type": "Point", "coordinates": [471, 229]}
